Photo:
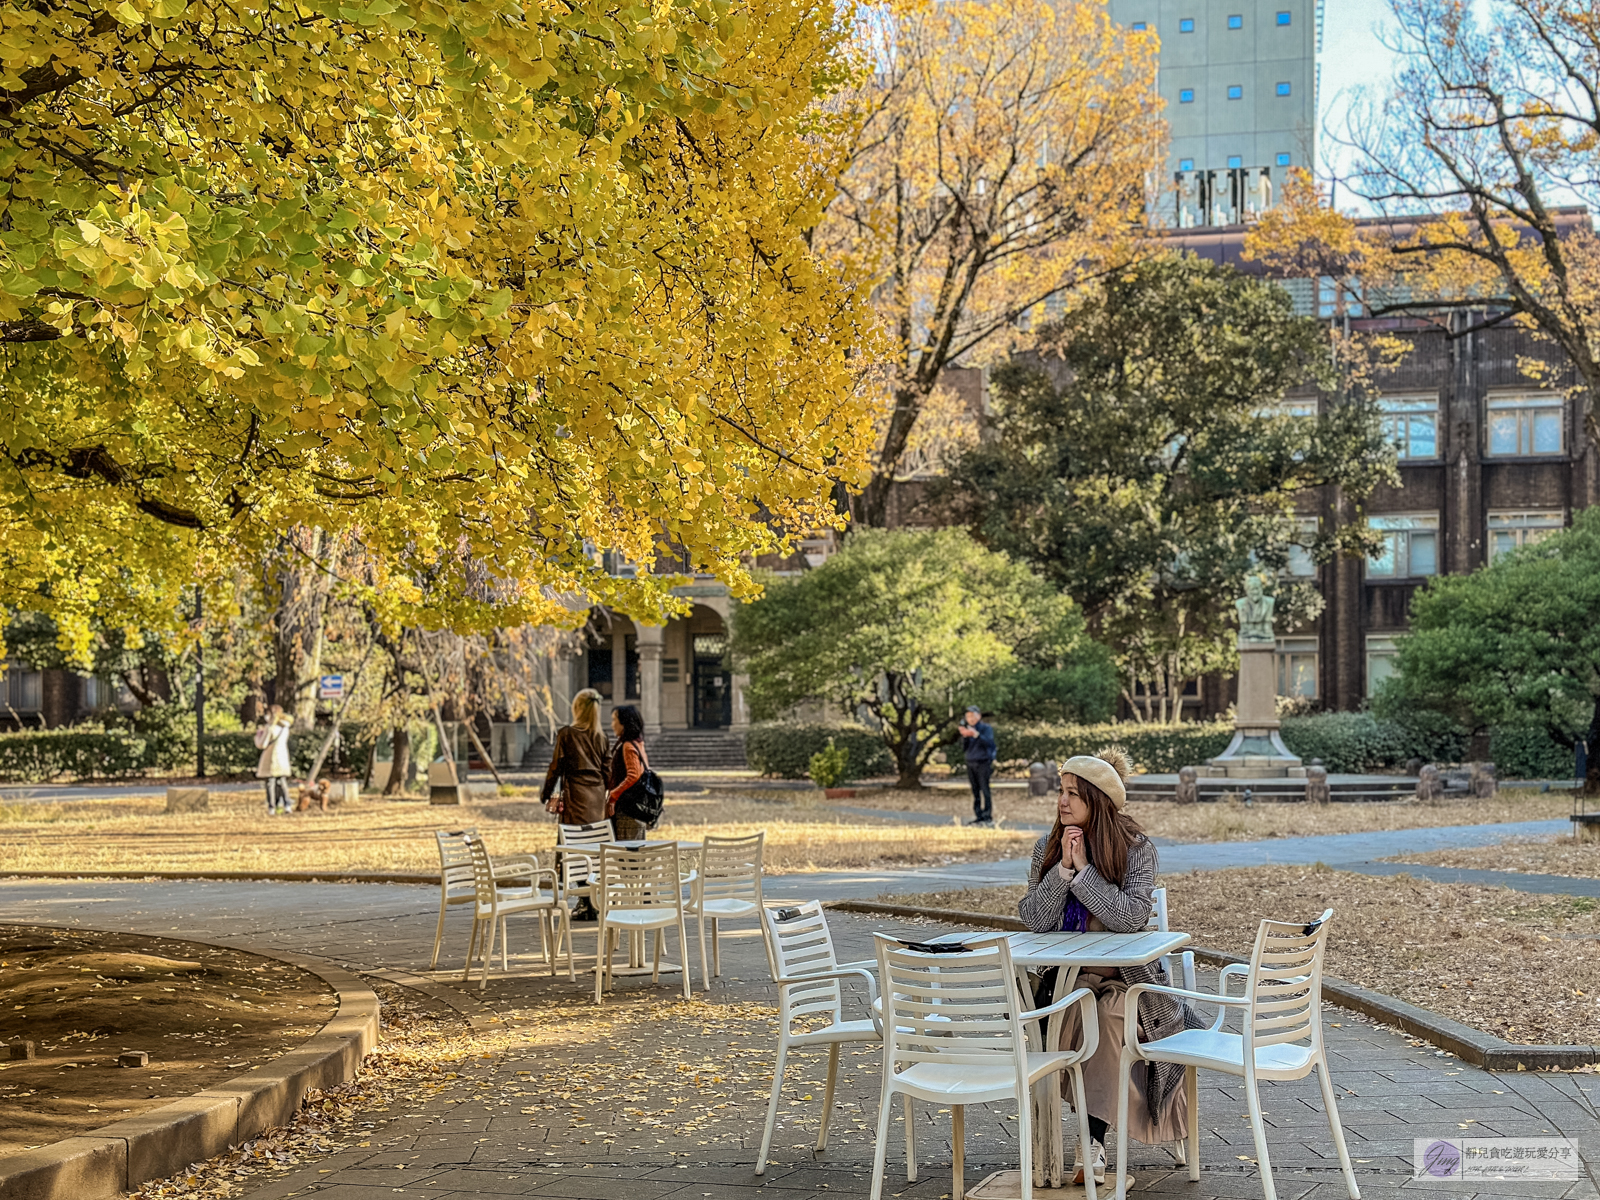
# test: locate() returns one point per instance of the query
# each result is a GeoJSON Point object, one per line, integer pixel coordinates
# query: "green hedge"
{"type": "Point", "coordinates": [1530, 754]}
{"type": "Point", "coordinates": [76, 753]}
{"type": "Point", "coordinates": [1153, 748]}
{"type": "Point", "coordinates": [1352, 743]}
{"type": "Point", "coordinates": [784, 748]}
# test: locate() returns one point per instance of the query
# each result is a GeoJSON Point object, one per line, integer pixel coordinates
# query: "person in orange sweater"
{"type": "Point", "coordinates": [627, 767]}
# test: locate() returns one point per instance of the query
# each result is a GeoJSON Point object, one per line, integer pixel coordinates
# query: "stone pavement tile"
{"type": "Point", "coordinates": [356, 1191]}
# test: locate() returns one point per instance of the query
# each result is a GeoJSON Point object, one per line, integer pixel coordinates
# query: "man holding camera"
{"type": "Point", "coordinates": [979, 738]}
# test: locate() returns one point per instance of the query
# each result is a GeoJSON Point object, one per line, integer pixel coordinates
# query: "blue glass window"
{"type": "Point", "coordinates": [1186, 96]}
{"type": "Point", "coordinates": [1235, 160]}
{"type": "Point", "coordinates": [1186, 25]}
{"type": "Point", "coordinates": [1235, 92]}
{"type": "Point", "coordinates": [1186, 164]}
{"type": "Point", "coordinates": [1236, 22]}
{"type": "Point", "coordinates": [1283, 160]}
{"type": "Point", "coordinates": [1283, 89]}
{"type": "Point", "coordinates": [1139, 26]}
{"type": "Point", "coordinates": [1283, 18]}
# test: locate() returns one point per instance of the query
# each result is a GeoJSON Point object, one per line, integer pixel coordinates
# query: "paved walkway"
{"type": "Point", "coordinates": [672, 1132]}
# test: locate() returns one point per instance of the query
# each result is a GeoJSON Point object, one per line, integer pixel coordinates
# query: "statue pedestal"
{"type": "Point", "coordinates": [1257, 750]}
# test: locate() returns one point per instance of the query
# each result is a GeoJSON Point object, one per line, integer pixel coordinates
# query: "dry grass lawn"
{"type": "Point", "coordinates": [1225, 821]}
{"type": "Point", "coordinates": [1521, 966]}
{"type": "Point", "coordinates": [1544, 856]}
{"type": "Point", "coordinates": [397, 836]}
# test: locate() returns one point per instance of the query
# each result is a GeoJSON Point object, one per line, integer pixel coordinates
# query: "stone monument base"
{"type": "Point", "coordinates": [1257, 750]}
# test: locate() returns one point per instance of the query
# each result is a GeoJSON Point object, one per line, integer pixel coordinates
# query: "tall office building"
{"type": "Point", "coordinates": [1239, 78]}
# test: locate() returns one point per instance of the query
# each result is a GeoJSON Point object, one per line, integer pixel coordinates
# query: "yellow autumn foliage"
{"type": "Point", "coordinates": [492, 284]}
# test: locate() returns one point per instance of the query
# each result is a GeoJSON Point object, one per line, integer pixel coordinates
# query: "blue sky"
{"type": "Point", "coordinates": [1353, 56]}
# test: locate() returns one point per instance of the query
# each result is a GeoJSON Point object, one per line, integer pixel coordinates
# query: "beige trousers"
{"type": "Point", "coordinates": [1100, 1071]}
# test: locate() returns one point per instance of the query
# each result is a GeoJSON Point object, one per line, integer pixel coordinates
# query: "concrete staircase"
{"type": "Point", "coordinates": [671, 750]}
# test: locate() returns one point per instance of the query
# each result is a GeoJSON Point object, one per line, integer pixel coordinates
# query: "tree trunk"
{"type": "Point", "coordinates": [872, 506]}
{"type": "Point", "coordinates": [1591, 778]}
{"type": "Point", "coordinates": [305, 577]}
{"type": "Point", "coordinates": [400, 768]}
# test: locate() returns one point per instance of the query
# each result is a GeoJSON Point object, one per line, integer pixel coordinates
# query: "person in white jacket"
{"type": "Point", "coordinates": [272, 739]}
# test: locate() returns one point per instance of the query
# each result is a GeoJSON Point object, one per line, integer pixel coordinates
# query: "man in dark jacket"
{"type": "Point", "coordinates": [979, 737]}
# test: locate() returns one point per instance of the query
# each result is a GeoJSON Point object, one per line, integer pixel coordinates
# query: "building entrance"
{"type": "Point", "coordinates": [712, 682]}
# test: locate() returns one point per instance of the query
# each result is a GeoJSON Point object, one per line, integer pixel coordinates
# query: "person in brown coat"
{"type": "Point", "coordinates": [578, 763]}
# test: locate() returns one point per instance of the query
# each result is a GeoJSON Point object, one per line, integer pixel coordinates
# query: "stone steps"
{"type": "Point", "coordinates": [672, 750]}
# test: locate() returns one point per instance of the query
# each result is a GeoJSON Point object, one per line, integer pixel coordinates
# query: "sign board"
{"type": "Point", "coordinates": [331, 687]}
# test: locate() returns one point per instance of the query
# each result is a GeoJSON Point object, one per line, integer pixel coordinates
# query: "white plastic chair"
{"type": "Point", "coordinates": [1281, 1040]}
{"type": "Point", "coordinates": [496, 899]}
{"type": "Point", "coordinates": [808, 974]}
{"type": "Point", "coordinates": [639, 890]}
{"type": "Point", "coordinates": [455, 876]}
{"type": "Point", "coordinates": [953, 1034]}
{"type": "Point", "coordinates": [578, 856]}
{"type": "Point", "coordinates": [1158, 921]}
{"type": "Point", "coordinates": [727, 887]}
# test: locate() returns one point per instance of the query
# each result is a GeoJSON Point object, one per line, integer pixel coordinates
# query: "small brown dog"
{"type": "Point", "coordinates": [313, 791]}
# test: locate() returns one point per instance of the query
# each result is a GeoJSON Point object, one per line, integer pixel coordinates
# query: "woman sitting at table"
{"type": "Point", "coordinates": [1094, 871]}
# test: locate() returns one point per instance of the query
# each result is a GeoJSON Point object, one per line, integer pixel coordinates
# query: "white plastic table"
{"type": "Point", "coordinates": [1070, 952]}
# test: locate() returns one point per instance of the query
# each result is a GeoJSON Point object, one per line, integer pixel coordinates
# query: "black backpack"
{"type": "Point", "coordinates": [644, 800]}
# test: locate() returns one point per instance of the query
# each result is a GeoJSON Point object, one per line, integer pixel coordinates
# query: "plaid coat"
{"type": "Point", "coordinates": [1121, 908]}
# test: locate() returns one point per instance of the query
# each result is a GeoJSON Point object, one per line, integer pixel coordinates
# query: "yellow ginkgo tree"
{"type": "Point", "coordinates": [490, 284]}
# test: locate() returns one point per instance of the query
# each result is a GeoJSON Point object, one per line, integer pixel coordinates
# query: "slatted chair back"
{"type": "Point", "coordinates": [482, 867]}
{"type": "Point", "coordinates": [455, 860]}
{"type": "Point", "coordinates": [583, 843]}
{"type": "Point", "coordinates": [642, 878]}
{"type": "Point", "coordinates": [1284, 984]}
{"type": "Point", "coordinates": [730, 869]}
{"type": "Point", "coordinates": [800, 944]}
{"type": "Point", "coordinates": [951, 1009]}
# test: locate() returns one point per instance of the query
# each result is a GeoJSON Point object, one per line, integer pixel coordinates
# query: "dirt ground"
{"type": "Point", "coordinates": [397, 836]}
{"type": "Point", "coordinates": [203, 1015]}
{"type": "Point", "coordinates": [1225, 821]}
{"type": "Point", "coordinates": [1544, 856]}
{"type": "Point", "coordinates": [1524, 967]}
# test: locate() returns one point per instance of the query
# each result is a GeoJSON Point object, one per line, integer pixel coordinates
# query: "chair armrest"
{"type": "Point", "coordinates": [1067, 1001]}
{"type": "Point", "coordinates": [841, 974]}
{"type": "Point", "coordinates": [511, 865]}
{"type": "Point", "coordinates": [1090, 1018]}
{"type": "Point", "coordinates": [860, 964]}
{"type": "Point", "coordinates": [1130, 1021]}
{"type": "Point", "coordinates": [1231, 971]}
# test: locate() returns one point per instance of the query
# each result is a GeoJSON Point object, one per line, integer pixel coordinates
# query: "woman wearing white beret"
{"type": "Point", "coordinates": [1095, 870]}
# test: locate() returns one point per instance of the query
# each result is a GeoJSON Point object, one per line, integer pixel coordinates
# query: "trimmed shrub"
{"type": "Point", "coordinates": [1530, 753]}
{"type": "Point", "coordinates": [784, 749]}
{"type": "Point", "coordinates": [1153, 748]}
{"type": "Point", "coordinates": [1350, 743]}
{"type": "Point", "coordinates": [82, 752]}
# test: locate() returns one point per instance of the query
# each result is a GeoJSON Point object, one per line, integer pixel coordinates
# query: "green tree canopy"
{"type": "Point", "coordinates": [910, 626]}
{"type": "Point", "coordinates": [1149, 458]}
{"type": "Point", "coordinates": [1515, 644]}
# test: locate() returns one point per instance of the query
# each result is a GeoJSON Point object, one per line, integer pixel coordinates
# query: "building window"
{"type": "Point", "coordinates": [1380, 659]}
{"type": "Point", "coordinates": [670, 672]}
{"type": "Point", "coordinates": [1283, 18]}
{"type": "Point", "coordinates": [1527, 424]}
{"type": "Point", "coordinates": [600, 675]}
{"type": "Point", "coordinates": [1235, 161]}
{"type": "Point", "coordinates": [1186, 164]}
{"type": "Point", "coordinates": [1235, 91]}
{"type": "Point", "coordinates": [22, 689]}
{"type": "Point", "coordinates": [1236, 22]}
{"type": "Point", "coordinates": [1139, 26]}
{"type": "Point", "coordinates": [1509, 530]}
{"type": "Point", "coordinates": [1300, 564]}
{"type": "Point", "coordinates": [1186, 25]}
{"type": "Point", "coordinates": [1283, 89]}
{"type": "Point", "coordinates": [1297, 667]}
{"type": "Point", "coordinates": [1283, 160]}
{"type": "Point", "coordinates": [1186, 96]}
{"type": "Point", "coordinates": [1410, 547]}
{"type": "Point", "coordinates": [1412, 424]}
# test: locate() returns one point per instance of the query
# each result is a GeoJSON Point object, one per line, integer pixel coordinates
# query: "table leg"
{"type": "Point", "coordinates": [958, 1155]}
{"type": "Point", "coordinates": [1048, 1151]}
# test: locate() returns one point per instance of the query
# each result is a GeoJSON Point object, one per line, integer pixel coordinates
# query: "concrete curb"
{"type": "Point", "coordinates": [115, 1158]}
{"type": "Point", "coordinates": [251, 876]}
{"type": "Point", "coordinates": [1466, 1043]}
